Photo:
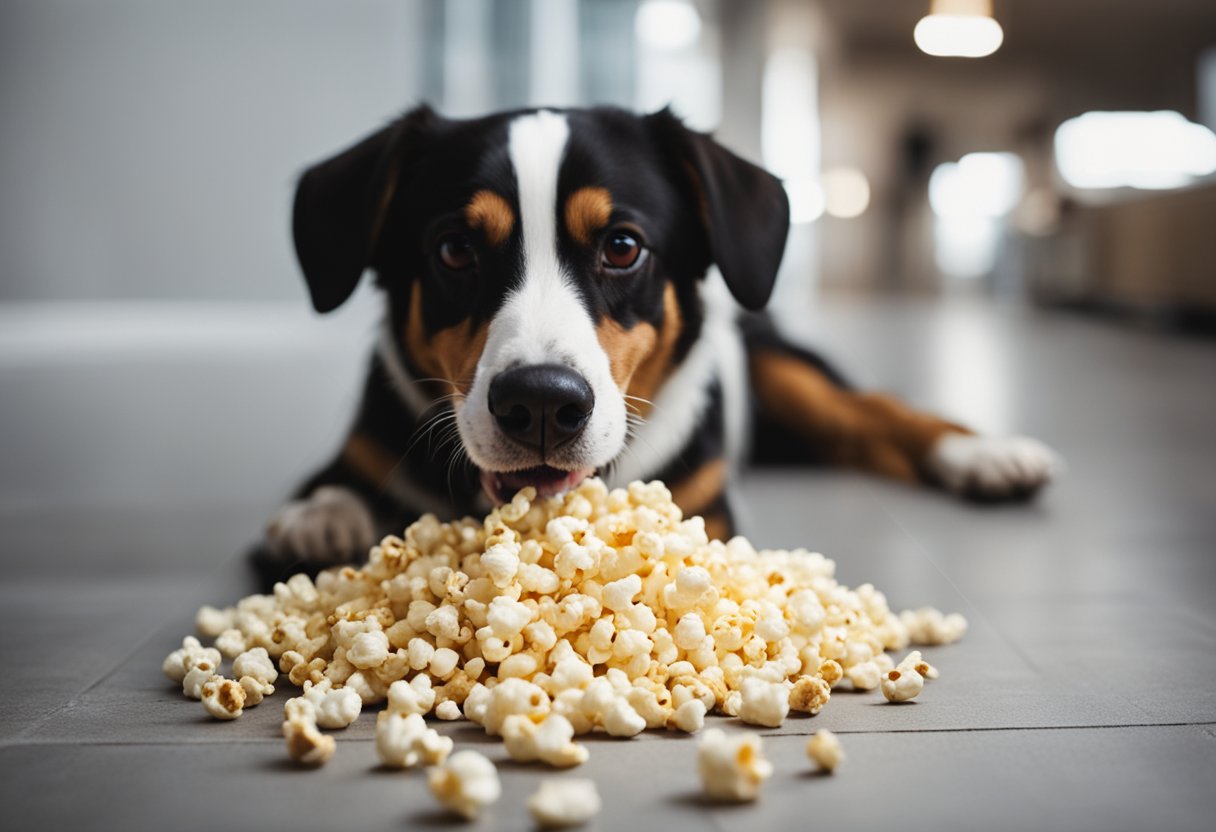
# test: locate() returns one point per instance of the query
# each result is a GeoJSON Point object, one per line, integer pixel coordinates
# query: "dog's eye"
{"type": "Point", "coordinates": [622, 251]}
{"type": "Point", "coordinates": [456, 252]}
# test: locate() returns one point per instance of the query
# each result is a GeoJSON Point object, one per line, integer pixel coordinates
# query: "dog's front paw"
{"type": "Point", "coordinates": [992, 467]}
{"type": "Point", "coordinates": [333, 525]}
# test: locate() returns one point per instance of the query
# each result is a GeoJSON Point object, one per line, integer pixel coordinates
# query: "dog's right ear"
{"type": "Point", "coordinates": [340, 207]}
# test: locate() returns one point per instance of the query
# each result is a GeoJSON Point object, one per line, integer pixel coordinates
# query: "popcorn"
{"type": "Point", "coordinates": [305, 742]}
{"type": "Point", "coordinates": [231, 643]}
{"type": "Point", "coordinates": [566, 802]}
{"type": "Point", "coordinates": [223, 698]}
{"type": "Point", "coordinates": [732, 767]}
{"type": "Point", "coordinates": [513, 696]}
{"type": "Point", "coordinates": [825, 751]}
{"type": "Point", "coordinates": [210, 621]}
{"type": "Point", "coordinates": [178, 663]}
{"type": "Point", "coordinates": [929, 626]}
{"type": "Point", "coordinates": [197, 676]}
{"type": "Point", "coordinates": [902, 683]}
{"type": "Point", "coordinates": [864, 676]}
{"type": "Point", "coordinates": [595, 610]}
{"type": "Point", "coordinates": [448, 710]}
{"type": "Point", "coordinates": [416, 697]}
{"type": "Point", "coordinates": [368, 650]}
{"type": "Point", "coordinates": [689, 717]}
{"type": "Point", "coordinates": [334, 708]}
{"type": "Point", "coordinates": [764, 703]}
{"type": "Point", "coordinates": [550, 740]}
{"type": "Point", "coordinates": [405, 741]}
{"type": "Point", "coordinates": [466, 783]}
{"type": "Point", "coordinates": [256, 664]}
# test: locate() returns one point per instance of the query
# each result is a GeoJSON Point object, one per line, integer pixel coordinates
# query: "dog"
{"type": "Point", "coordinates": [573, 292]}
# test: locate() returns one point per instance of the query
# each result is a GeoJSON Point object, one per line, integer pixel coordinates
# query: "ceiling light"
{"type": "Point", "coordinates": [959, 29]}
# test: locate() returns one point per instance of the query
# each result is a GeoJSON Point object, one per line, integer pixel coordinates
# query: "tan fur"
{"type": "Point", "coordinates": [450, 354]}
{"type": "Point", "coordinates": [587, 211]}
{"type": "Point", "coordinates": [640, 357]}
{"type": "Point", "coordinates": [866, 430]}
{"type": "Point", "coordinates": [492, 214]}
{"type": "Point", "coordinates": [368, 459]}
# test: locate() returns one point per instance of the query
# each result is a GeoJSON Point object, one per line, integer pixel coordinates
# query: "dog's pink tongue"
{"type": "Point", "coordinates": [501, 487]}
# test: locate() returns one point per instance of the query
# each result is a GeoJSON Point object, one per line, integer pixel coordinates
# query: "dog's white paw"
{"type": "Point", "coordinates": [992, 467]}
{"type": "Point", "coordinates": [333, 525]}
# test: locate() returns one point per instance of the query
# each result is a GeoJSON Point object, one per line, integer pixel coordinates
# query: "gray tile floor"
{"type": "Point", "coordinates": [1083, 697]}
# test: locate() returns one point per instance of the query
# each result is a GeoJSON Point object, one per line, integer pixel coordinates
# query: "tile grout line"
{"type": "Point", "coordinates": [920, 547]}
{"type": "Point", "coordinates": [17, 743]}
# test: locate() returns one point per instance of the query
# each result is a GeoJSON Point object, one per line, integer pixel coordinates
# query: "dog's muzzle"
{"type": "Point", "coordinates": [541, 407]}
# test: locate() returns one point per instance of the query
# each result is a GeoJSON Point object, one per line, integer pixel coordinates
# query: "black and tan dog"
{"type": "Point", "coordinates": [570, 292]}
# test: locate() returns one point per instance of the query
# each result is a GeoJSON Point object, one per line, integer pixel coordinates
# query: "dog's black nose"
{"type": "Point", "coordinates": [542, 405]}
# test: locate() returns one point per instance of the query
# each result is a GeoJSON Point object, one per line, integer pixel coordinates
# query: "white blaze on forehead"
{"type": "Point", "coordinates": [542, 320]}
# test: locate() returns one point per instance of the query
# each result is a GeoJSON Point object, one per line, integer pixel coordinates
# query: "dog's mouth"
{"type": "Point", "coordinates": [500, 486]}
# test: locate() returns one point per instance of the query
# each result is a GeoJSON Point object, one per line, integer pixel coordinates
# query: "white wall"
{"type": "Point", "coordinates": [148, 149]}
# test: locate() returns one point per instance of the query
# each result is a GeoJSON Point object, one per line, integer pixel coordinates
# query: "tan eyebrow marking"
{"type": "Point", "coordinates": [587, 211]}
{"type": "Point", "coordinates": [492, 214]}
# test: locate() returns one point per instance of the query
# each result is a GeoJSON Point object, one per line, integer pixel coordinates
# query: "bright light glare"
{"type": "Point", "coordinates": [668, 25]}
{"type": "Point", "coordinates": [846, 192]}
{"type": "Point", "coordinates": [958, 36]}
{"type": "Point", "coordinates": [806, 199]}
{"type": "Point", "coordinates": [1148, 150]}
{"type": "Point", "coordinates": [977, 185]}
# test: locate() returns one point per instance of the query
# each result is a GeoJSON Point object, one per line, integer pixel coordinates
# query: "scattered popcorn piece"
{"type": "Point", "coordinates": [466, 783]}
{"type": "Point", "coordinates": [825, 750]}
{"type": "Point", "coordinates": [929, 626]}
{"type": "Point", "coordinates": [223, 698]}
{"type": "Point", "coordinates": [550, 740]}
{"type": "Point", "coordinates": [732, 767]}
{"type": "Point", "coordinates": [198, 675]}
{"type": "Point", "coordinates": [764, 703]}
{"type": "Point", "coordinates": [256, 663]}
{"type": "Point", "coordinates": [178, 663]}
{"type": "Point", "coordinates": [902, 684]}
{"type": "Point", "coordinates": [405, 741]}
{"type": "Point", "coordinates": [305, 742]}
{"type": "Point", "coordinates": [566, 802]}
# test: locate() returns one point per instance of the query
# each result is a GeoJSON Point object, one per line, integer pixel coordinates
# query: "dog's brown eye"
{"type": "Point", "coordinates": [621, 251]}
{"type": "Point", "coordinates": [456, 252]}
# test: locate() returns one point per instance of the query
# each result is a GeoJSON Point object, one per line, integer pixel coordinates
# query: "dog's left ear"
{"type": "Point", "coordinates": [743, 207]}
{"type": "Point", "coordinates": [340, 207]}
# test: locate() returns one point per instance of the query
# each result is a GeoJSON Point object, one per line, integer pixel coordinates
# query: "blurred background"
{"type": "Point", "coordinates": [156, 345]}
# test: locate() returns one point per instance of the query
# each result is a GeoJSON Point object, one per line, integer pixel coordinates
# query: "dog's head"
{"type": "Point", "coordinates": [541, 267]}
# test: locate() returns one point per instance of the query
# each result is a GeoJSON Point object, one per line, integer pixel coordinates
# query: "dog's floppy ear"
{"type": "Point", "coordinates": [743, 207]}
{"type": "Point", "coordinates": [340, 206]}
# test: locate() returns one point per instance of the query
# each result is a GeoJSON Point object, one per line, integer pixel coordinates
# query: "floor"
{"type": "Point", "coordinates": [141, 458]}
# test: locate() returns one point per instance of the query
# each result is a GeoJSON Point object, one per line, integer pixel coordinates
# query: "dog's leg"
{"type": "Point", "coordinates": [335, 516]}
{"type": "Point", "coordinates": [804, 399]}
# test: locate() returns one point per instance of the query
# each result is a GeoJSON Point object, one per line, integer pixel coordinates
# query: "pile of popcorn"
{"type": "Point", "coordinates": [597, 610]}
